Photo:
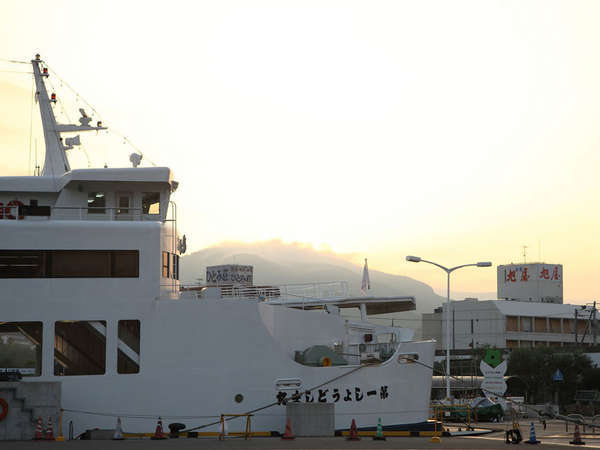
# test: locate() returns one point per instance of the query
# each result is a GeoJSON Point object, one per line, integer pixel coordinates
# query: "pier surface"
{"type": "Point", "coordinates": [554, 437]}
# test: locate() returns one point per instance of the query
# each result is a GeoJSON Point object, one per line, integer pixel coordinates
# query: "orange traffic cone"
{"type": "Point", "coordinates": [288, 431]}
{"type": "Point", "coordinates": [353, 436]}
{"type": "Point", "coordinates": [577, 437]}
{"type": "Point", "coordinates": [158, 433]}
{"type": "Point", "coordinates": [39, 433]}
{"type": "Point", "coordinates": [49, 431]}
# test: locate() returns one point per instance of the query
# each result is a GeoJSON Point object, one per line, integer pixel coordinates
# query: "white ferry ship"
{"type": "Point", "coordinates": [89, 274]}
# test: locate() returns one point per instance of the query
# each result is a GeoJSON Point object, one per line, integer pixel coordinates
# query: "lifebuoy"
{"type": "Point", "coordinates": [326, 361]}
{"type": "Point", "coordinates": [4, 407]}
{"type": "Point", "coordinates": [8, 210]}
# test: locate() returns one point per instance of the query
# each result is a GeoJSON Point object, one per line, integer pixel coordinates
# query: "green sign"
{"type": "Point", "coordinates": [493, 357]}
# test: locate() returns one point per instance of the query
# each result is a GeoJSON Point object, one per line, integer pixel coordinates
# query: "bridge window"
{"type": "Point", "coordinates": [96, 203]}
{"type": "Point", "coordinates": [80, 348]}
{"type": "Point", "coordinates": [69, 263]}
{"type": "Point", "coordinates": [165, 264]}
{"type": "Point", "coordinates": [21, 349]}
{"type": "Point", "coordinates": [175, 270]}
{"type": "Point", "coordinates": [151, 202]}
{"type": "Point", "coordinates": [129, 346]}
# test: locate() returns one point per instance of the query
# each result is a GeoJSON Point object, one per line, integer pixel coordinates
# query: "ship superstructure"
{"type": "Point", "coordinates": [89, 275]}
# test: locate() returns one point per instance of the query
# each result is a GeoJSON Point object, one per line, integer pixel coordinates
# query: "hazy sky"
{"type": "Point", "coordinates": [457, 131]}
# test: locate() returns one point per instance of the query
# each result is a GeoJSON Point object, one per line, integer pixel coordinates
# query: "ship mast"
{"type": "Point", "coordinates": [56, 162]}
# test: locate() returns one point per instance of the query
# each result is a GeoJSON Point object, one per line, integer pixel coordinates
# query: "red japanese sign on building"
{"type": "Point", "coordinates": [531, 282]}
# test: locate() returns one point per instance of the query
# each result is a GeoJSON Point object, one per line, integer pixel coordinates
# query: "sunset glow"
{"type": "Point", "coordinates": [456, 131]}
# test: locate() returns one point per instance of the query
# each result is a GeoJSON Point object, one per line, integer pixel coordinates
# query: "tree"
{"type": "Point", "coordinates": [536, 366]}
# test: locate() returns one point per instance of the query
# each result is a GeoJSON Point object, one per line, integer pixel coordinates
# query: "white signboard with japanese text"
{"type": "Point", "coordinates": [493, 383]}
{"type": "Point", "coordinates": [229, 274]}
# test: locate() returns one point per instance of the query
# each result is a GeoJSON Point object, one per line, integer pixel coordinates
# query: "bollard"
{"type": "Point", "coordinates": [60, 437]}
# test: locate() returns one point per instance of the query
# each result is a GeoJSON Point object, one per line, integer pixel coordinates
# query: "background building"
{"type": "Point", "coordinates": [511, 324]}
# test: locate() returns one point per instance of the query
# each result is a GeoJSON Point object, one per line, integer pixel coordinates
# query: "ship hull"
{"type": "Point", "coordinates": [196, 356]}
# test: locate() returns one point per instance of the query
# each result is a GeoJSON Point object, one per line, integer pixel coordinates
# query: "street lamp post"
{"type": "Point", "coordinates": [448, 271]}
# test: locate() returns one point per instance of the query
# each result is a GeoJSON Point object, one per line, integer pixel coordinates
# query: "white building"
{"type": "Point", "coordinates": [533, 282]}
{"type": "Point", "coordinates": [510, 324]}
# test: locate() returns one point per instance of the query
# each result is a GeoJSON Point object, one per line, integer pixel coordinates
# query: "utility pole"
{"type": "Point", "coordinates": [590, 325]}
{"type": "Point", "coordinates": [575, 327]}
{"type": "Point", "coordinates": [594, 324]}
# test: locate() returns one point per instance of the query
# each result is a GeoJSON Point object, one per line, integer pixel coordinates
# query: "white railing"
{"type": "Point", "coordinates": [78, 213]}
{"type": "Point", "coordinates": [311, 291]}
{"type": "Point", "coordinates": [97, 213]}
{"type": "Point", "coordinates": [15, 212]}
{"type": "Point", "coordinates": [297, 292]}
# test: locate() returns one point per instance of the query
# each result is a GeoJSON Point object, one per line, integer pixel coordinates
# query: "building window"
{"type": "Point", "coordinates": [526, 324]}
{"type": "Point", "coordinates": [165, 264]}
{"type": "Point", "coordinates": [151, 202]}
{"type": "Point", "coordinates": [21, 347]}
{"type": "Point", "coordinates": [554, 326]}
{"type": "Point", "coordinates": [69, 263]}
{"type": "Point", "coordinates": [512, 344]}
{"type": "Point", "coordinates": [128, 355]}
{"type": "Point", "coordinates": [512, 323]}
{"type": "Point", "coordinates": [96, 203]}
{"type": "Point", "coordinates": [80, 348]}
{"type": "Point", "coordinates": [540, 325]}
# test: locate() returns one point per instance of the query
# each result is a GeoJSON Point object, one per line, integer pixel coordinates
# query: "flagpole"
{"type": "Point", "coordinates": [364, 287]}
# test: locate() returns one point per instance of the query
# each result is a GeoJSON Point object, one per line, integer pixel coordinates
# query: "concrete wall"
{"type": "Point", "coordinates": [311, 419]}
{"type": "Point", "coordinates": [26, 402]}
{"type": "Point", "coordinates": [432, 328]}
{"type": "Point", "coordinates": [472, 324]}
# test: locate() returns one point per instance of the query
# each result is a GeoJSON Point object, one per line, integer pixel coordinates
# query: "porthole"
{"type": "Point", "coordinates": [239, 398]}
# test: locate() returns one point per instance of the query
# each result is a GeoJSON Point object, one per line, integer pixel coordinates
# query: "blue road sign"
{"type": "Point", "coordinates": [558, 376]}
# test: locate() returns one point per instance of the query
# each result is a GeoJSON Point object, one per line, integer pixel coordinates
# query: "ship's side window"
{"type": "Point", "coordinates": [125, 263]}
{"type": "Point", "coordinates": [128, 359]}
{"type": "Point", "coordinates": [151, 202]}
{"type": "Point", "coordinates": [69, 263]}
{"type": "Point", "coordinates": [96, 203]}
{"type": "Point", "coordinates": [165, 264]}
{"type": "Point", "coordinates": [89, 264]}
{"type": "Point", "coordinates": [22, 263]}
{"type": "Point", "coordinates": [20, 349]}
{"type": "Point", "coordinates": [80, 347]}
{"type": "Point", "coordinates": [93, 263]}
